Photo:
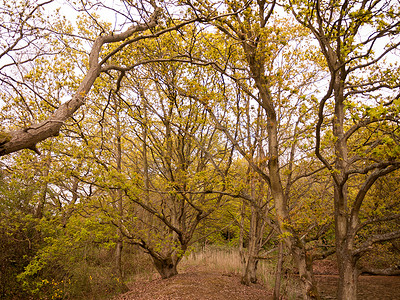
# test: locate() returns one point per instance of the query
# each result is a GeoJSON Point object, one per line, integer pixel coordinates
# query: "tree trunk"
{"type": "Point", "coordinates": [118, 266]}
{"type": "Point", "coordinates": [348, 278]}
{"type": "Point", "coordinates": [241, 237]}
{"type": "Point", "coordinates": [278, 273]}
{"type": "Point", "coordinates": [344, 225]}
{"type": "Point", "coordinates": [118, 258]}
{"type": "Point", "coordinates": [166, 267]}
{"type": "Point", "coordinates": [38, 211]}
{"type": "Point", "coordinates": [309, 289]}
{"type": "Point", "coordinates": [119, 196]}
{"type": "Point", "coordinates": [250, 268]}
{"type": "Point", "coordinates": [250, 275]}
{"type": "Point", "coordinates": [304, 264]}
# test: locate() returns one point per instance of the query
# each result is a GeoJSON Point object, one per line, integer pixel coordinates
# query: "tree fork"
{"type": "Point", "coordinates": [28, 138]}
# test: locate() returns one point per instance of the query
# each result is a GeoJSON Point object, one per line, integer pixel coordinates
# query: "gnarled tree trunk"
{"type": "Point", "coordinates": [166, 267]}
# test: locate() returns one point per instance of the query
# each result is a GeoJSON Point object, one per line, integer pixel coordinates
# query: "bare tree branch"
{"type": "Point", "coordinates": [376, 239]}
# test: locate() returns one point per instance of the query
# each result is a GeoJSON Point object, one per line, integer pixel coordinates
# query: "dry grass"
{"type": "Point", "coordinates": [228, 261]}
{"type": "Point", "coordinates": [218, 259]}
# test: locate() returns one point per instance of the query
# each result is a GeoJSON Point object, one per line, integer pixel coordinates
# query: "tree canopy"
{"type": "Point", "coordinates": [168, 124]}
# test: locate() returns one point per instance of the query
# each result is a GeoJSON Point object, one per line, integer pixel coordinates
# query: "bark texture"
{"type": "Point", "coordinates": [166, 267]}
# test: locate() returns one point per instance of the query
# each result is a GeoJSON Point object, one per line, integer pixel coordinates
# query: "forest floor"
{"type": "Point", "coordinates": [369, 287]}
{"type": "Point", "coordinates": [198, 283]}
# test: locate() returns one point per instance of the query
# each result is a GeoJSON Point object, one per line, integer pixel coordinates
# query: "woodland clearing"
{"type": "Point", "coordinates": [202, 284]}
{"type": "Point", "coordinates": [215, 276]}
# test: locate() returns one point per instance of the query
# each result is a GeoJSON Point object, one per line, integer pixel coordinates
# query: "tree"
{"type": "Point", "coordinates": [175, 103]}
{"type": "Point", "coordinates": [261, 42]}
{"type": "Point", "coordinates": [172, 163]}
{"type": "Point", "coordinates": [21, 34]}
{"type": "Point", "coordinates": [380, 216]}
{"type": "Point", "coordinates": [356, 39]}
{"type": "Point", "coordinates": [20, 239]}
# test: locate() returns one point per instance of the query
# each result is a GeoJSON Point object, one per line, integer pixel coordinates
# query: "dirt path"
{"type": "Point", "coordinates": [196, 285]}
